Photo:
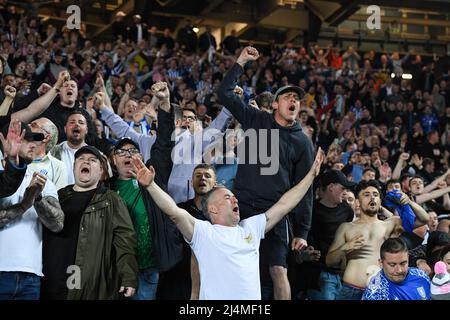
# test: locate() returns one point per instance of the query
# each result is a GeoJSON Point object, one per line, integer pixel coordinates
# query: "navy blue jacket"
{"type": "Point", "coordinates": [257, 192]}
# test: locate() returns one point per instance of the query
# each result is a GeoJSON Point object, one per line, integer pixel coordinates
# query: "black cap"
{"type": "Point", "coordinates": [30, 135]}
{"type": "Point", "coordinates": [335, 176]}
{"type": "Point", "coordinates": [91, 150]}
{"type": "Point", "coordinates": [124, 141]}
{"type": "Point", "coordinates": [289, 88]}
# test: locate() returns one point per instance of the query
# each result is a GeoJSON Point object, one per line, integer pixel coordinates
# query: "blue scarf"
{"type": "Point", "coordinates": [392, 199]}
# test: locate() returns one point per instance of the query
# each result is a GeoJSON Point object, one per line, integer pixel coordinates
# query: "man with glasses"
{"type": "Point", "coordinates": [179, 186]}
{"type": "Point", "coordinates": [159, 246]}
{"type": "Point", "coordinates": [43, 162]}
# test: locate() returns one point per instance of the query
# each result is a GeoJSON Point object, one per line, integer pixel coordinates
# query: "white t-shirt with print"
{"type": "Point", "coordinates": [228, 259]}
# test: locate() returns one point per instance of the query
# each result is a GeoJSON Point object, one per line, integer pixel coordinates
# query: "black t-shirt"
{"type": "Point", "coordinates": [175, 284]}
{"type": "Point", "coordinates": [325, 222]}
{"type": "Point", "coordinates": [59, 249]}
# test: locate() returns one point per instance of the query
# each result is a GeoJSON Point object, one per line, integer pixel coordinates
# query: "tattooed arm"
{"type": "Point", "coordinates": [9, 214]}
{"type": "Point", "coordinates": [50, 213]}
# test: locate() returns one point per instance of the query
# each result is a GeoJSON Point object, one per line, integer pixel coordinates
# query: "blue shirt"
{"type": "Point", "coordinates": [416, 286]}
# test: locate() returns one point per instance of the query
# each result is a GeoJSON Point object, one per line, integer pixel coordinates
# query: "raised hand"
{"type": "Point", "coordinates": [248, 54]}
{"type": "Point", "coordinates": [34, 189]}
{"type": "Point", "coordinates": [239, 91]}
{"type": "Point", "coordinates": [417, 161]}
{"type": "Point", "coordinates": [320, 156]}
{"type": "Point", "coordinates": [404, 156]}
{"type": "Point", "coordinates": [99, 83]}
{"type": "Point", "coordinates": [43, 88]}
{"type": "Point", "coordinates": [404, 199]}
{"type": "Point", "coordinates": [62, 77]}
{"type": "Point", "coordinates": [13, 141]}
{"type": "Point", "coordinates": [10, 92]}
{"type": "Point", "coordinates": [144, 175]}
{"type": "Point", "coordinates": [99, 100]}
{"type": "Point", "coordinates": [161, 90]}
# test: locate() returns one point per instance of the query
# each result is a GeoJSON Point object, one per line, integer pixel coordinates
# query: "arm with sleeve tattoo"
{"type": "Point", "coordinates": [50, 213]}
{"type": "Point", "coordinates": [10, 214]}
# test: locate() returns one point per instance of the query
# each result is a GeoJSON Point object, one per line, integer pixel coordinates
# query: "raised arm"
{"type": "Point", "coordinates": [228, 97]}
{"type": "Point", "coordinates": [291, 198]}
{"type": "Point", "coordinates": [422, 198]}
{"type": "Point", "coordinates": [182, 219]}
{"type": "Point", "coordinates": [422, 217]}
{"type": "Point", "coordinates": [400, 165]}
{"type": "Point", "coordinates": [117, 124]}
{"type": "Point", "coordinates": [10, 93]}
{"type": "Point", "coordinates": [41, 104]}
{"type": "Point", "coordinates": [434, 184]}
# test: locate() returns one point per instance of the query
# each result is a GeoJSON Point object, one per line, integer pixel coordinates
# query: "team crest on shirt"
{"type": "Point", "coordinates": [248, 238]}
{"type": "Point", "coordinates": [422, 293]}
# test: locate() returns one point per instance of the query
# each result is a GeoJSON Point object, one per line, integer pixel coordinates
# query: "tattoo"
{"type": "Point", "coordinates": [10, 214]}
{"type": "Point", "coordinates": [50, 213]}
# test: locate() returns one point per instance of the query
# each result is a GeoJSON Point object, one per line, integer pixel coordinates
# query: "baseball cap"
{"type": "Point", "coordinates": [91, 150]}
{"type": "Point", "coordinates": [335, 176]}
{"type": "Point", "coordinates": [289, 88]}
{"type": "Point", "coordinates": [124, 141]}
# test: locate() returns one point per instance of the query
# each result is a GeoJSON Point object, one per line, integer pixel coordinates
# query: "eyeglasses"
{"type": "Point", "coordinates": [125, 152]}
{"type": "Point", "coordinates": [34, 125]}
{"type": "Point", "coordinates": [189, 118]}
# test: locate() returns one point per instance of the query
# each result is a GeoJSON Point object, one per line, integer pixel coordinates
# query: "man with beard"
{"type": "Point", "coordinates": [397, 281]}
{"type": "Point", "coordinates": [358, 242]}
{"type": "Point", "coordinates": [76, 130]}
{"type": "Point", "coordinates": [58, 110]}
{"type": "Point", "coordinates": [35, 203]}
{"type": "Point", "coordinates": [257, 186]}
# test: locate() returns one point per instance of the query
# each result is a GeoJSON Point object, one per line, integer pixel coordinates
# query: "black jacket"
{"type": "Point", "coordinates": [167, 243]}
{"type": "Point", "coordinates": [256, 191]}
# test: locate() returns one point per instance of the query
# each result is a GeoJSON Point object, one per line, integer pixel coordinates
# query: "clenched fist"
{"type": "Point", "coordinates": [63, 77]}
{"type": "Point", "coordinates": [10, 92]}
{"type": "Point", "coordinates": [247, 54]}
{"type": "Point", "coordinates": [161, 91]}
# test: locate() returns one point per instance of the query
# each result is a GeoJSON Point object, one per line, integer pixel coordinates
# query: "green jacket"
{"type": "Point", "coordinates": [106, 249]}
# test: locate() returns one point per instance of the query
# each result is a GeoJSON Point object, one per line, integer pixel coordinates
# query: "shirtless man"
{"type": "Point", "coordinates": [358, 242]}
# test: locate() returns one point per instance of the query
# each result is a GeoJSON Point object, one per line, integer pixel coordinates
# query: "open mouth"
{"type": "Point", "coordinates": [70, 93]}
{"type": "Point", "coordinates": [76, 131]}
{"type": "Point", "coordinates": [292, 108]}
{"type": "Point", "coordinates": [127, 163]}
{"type": "Point", "coordinates": [236, 209]}
{"type": "Point", "coordinates": [85, 170]}
{"type": "Point", "coordinates": [202, 184]}
{"type": "Point", "coordinates": [372, 204]}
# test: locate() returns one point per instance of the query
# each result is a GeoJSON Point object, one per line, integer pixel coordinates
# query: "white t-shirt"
{"type": "Point", "coordinates": [228, 259]}
{"type": "Point", "coordinates": [21, 239]}
{"type": "Point", "coordinates": [68, 157]}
